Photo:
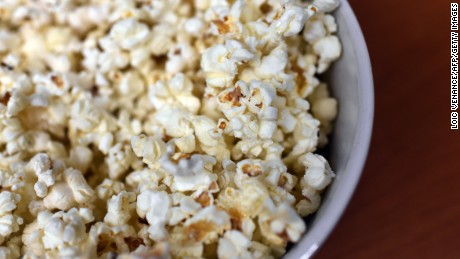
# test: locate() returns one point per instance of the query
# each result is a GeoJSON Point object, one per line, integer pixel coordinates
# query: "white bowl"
{"type": "Point", "coordinates": [351, 82]}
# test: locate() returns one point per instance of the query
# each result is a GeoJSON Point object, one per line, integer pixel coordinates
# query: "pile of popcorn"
{"type": "Point", "coordinates": [162, 128]}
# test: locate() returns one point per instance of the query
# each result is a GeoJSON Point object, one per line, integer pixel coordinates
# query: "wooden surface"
{"type": "Point", "coordinates": [407, 204]}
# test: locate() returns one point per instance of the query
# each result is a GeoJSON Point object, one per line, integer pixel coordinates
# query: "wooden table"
{"type": "Point", "coordinates": [407, 204]}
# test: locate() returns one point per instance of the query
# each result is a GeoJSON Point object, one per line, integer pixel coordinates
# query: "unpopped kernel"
{"type": "Point", "coordinates": [162, 129]}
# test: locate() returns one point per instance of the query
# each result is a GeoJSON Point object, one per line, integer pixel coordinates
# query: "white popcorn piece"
{"type": "Point", "coordinates": [194, 26]}
{"type": "Point", "coordinates": [291, 21]}
{"type": "Point", "coordinates": [42, 166]}
{"type": "Point", "coordinates": [174, 122]}
{"type": "Point", "coordinates": [108, 188]}
{"type": "Point", "coordinates": [281, 224]}
{"type": "Point", "coordinates": [325, 109]}
{"type": "Point", "coordinates": [183, 246]}
{"type": "Point", "coordinates": [9, 222]}
{"type": "Point", "coordinates": [305, 135]}
{"type": "Point", "coordinates": [80, 158]}
{"type": "Point", "coordinates": [32, 238]}
{"type": "Point", "coordinates": [11, 179]}
{"type": "Point", "coordinates": [155, 207]}
{"type": "Point", "coordinates": [64, 227]}
{"type": "Point", "coordinates": [129, 33]}
{"type": "Point", "coordinates": [314, 30]}
{"type": "Point", "coordinates": [318, 173]}
{"type": "Point", "coordinates": [247, 201]}
{"type": "Point", "coordinates": [326, 5]}
{"type": "Point", "coordinates": [53, 84]}
{"type": "Point", "coordinates": [163, 39]}
{"type": "Point", "coordinates": [220, 62]}
{"type": "Point", "coordinates": [186, 144]}
{"type": "Point", "coordinates": [177, 92]}
{"type": "Point", "coordinates": [329, 23]}
{"type": "Point", "coordinates": [60, 196]}
{"type": "Point", "coordinates": [16, 104]}
{"type": "Point", "coordinates": [207, 225]}
{"type": "Point", "coordinates": [189, 174]}
{"type": "Point", "coordinates": [311, 202]}
{"type": "Point", "coordinates": [180, 57]}
{"type": "Point", "coordinates": [234, 245]}
{"type": "Point", "coordinates": [36, 206]}
{"type": "Point", "coordinates": [72, 191]}
{"type": "Point", "coordinates": [83, 18]}
{"type": "Point", "coordinates": [82, 192]}
{"type": "Point", "coordinates": [274, 63]}
{"type": "Point", "coordinates": [225, 21]}
{"type": "Point", "coordinates": [260, 250]}
{"type": "Point", "coordinates": [85, 116]}
{"type": "Point", "coordinates": [119, 160]}
{"type": "Point", "coordinates": [150, 149]}
{"type": "Point", "coordinates": [131, 85]}
{"type": "Point", "coordinates": [328, 49]}
{"type": "Point", "coordinates": [210, 137]}
{"type": "Point", "coordinates": [120, 208]}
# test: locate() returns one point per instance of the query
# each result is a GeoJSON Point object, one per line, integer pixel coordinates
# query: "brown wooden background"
{"type": "Point", "coordinates": [407, 204]}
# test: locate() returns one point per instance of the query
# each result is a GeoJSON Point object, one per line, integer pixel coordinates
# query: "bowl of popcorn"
{"type": "Point", "coordinates": [178, 129]}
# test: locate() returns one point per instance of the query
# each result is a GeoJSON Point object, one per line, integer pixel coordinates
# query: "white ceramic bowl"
{"type": "Point", "coordinates": [351, 83]}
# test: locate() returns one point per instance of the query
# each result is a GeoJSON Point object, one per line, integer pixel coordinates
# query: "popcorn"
{"type": "Point", "coordinates": [194, 26]}
{"type": "Point", "coordinates": [72, 191]}
{"type": "Point", "coordinates": [107, 240]}
{"type": "Point", "coordinates": [318, 173]}
{"type": "Point", "coordinates": [108, 188]}
{"type": "Point", "coordinates": [80, 158]}
{"type": "Point", "coordinates": [207, 224]}
{"type": "Point", "coordinates": [326, 5]}
{"type": "Point", "coordinates": [314, 30]}
{"type": "Point", "coordinates": [129, 33]}
{"type": "Point", "coordinates": [325, 109]}
{"type": "Point", "coordinates": [154, 206]}
{"type": "Point", "coordinates": [210, 138]}
{"type": "Point", "coordinates": [119, 208]}
{"type": "Point", "coordinates": [274, 63]}
{"type": "Point", "coordinates": [234, 245]}
{"type": "Point", "coordinates": [162, 128]}
{"type": "Point", "coordinates": [328, 49]}
{"type": "Point", "coordinates": [10, 179]}
{"type": "Point", "coordinates": [148, 148]}
{"type": "Point", "coordinates": [291, 21]}
{"type": "Point", "coordinates": [220, 62]}
{"type": "Point", "coordinates": [177, 92]}
{"type": "Point", "coordinates": [190, 174]}
{"type": "Point", "coordinates": [131, 85]}
{"type": "Point", "coordinates": [161, 43]}
{"type": "Point", "coordinates": [179, 58]}
{"type": "Point", "coordinates": [53, 84]}
{"type": "Point", "coordinates": [119, 160]}
{"type": "Point", "coordinates": [42, 166]}
{"type": "Point", "coordinates": [281, 225]}
{"type": "Point", "coordinates": [311, 202]}
{"type": "Point", "coordinates": [59, 230]}
{"type": "Point", "coordinates": [9, 222]}
{"type": "Point", "coordinates": [62, 228]}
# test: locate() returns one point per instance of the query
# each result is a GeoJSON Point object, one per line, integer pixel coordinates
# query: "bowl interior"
{"type": "Point", "coordinates": [351, 83]}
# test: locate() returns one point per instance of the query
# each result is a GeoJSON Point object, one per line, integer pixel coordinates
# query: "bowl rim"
{"type": "Point", "coordinates": [322, 228]}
